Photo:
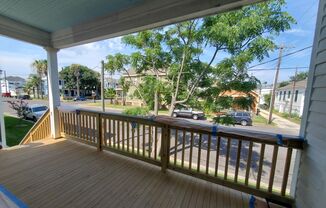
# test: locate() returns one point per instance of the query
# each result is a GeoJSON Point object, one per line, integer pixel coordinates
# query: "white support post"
{"type": "Point", "coordinates": [2, 124]}
{"type": "Point", "coordinates": [54, 93]}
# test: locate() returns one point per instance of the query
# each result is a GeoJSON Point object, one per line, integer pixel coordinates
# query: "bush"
{"type": "Point", "coordinates": [137, 111]}
{"type": "Point", "coordinates": [224, 120]}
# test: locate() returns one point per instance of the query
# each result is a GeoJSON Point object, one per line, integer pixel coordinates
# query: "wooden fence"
{"type": "Point", "coordinates": [254, 162]}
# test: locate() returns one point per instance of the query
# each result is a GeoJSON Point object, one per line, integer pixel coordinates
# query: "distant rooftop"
{"type": "Point", "coordinates": [300, 84]}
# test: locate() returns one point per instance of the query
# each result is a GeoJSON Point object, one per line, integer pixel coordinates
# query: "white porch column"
{"type": "Point", "coordinates": [2, 124]}
{"type": "Point", "coordinates": [54, 92]}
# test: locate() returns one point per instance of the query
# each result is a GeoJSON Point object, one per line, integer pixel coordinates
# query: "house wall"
{"type": "Point", "coordinates": [283, 105]}
{"type": "Point", "coordinates": [311, 185]}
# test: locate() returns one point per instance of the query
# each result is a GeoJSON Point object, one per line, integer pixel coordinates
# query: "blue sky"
{"type": "Point", "coordinates": [16, 57]}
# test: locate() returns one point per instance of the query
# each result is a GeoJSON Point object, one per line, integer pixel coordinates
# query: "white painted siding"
{"type": "Point", "coordinates": [311, 186]}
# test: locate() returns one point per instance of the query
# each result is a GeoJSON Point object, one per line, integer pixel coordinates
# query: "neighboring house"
{"type": "Point", "coordinates": [236, 94]}
{"type": "Point", "coordinates": [45, 86]}
{"type": "Point", "coordinates": [14, 85]}
{"type": "Point", "coordinates": [283, 97]}
{"type": "Point", "coordinates": [265, 89]}
{"type": "Point", "coordinates": [136, 79]}
{"type": "Point", "coordinates": [110, 82]}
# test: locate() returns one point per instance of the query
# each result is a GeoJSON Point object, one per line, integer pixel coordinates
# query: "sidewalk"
{"type": "Point", "coordinates": [279, 121]}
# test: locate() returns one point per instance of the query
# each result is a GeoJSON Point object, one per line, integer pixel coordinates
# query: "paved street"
{"type": "Point", "coordinates": [280, 128]}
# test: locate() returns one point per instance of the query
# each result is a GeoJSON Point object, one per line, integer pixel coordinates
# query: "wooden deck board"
{"type": "Point", "coordinates": [63, 173]}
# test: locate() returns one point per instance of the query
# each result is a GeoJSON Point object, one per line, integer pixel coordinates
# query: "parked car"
{"type": "Point", "coordinates": [188, 113]}
{"type": "Point", "coordinates": [241, 117]}
{"type": "Point", "coordinates": [24, 97]}
{"type": "Point", "coordinates": [80, 98]}
{"type": "Point", "coordinates": [34, 112]}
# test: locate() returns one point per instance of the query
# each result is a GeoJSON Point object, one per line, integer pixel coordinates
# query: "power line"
{"type": "Point", "coordinates": [285, 55]}
{"type": "Point", "coordinates": [283, 68]}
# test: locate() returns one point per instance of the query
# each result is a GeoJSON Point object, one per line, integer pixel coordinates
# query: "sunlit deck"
{"type": "Point", "coordinates": [62, 173]}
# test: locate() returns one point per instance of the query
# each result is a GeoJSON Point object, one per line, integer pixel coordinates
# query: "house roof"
{"type": "Point", "coordinates": [298, 85]}
{"type": "Point", "coordinates": [133, 73]}
{"type": "Point", "coordinates": [65, 23]}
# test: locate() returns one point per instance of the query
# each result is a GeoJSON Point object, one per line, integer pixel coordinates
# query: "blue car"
{"type": "Point", "coordinates": [80, 98]}
{"type": "Point", "coordinates": [241, 117]}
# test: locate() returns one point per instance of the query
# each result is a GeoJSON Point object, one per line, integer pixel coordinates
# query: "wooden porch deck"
{"type": "Point", "coordinates": [63, 173]}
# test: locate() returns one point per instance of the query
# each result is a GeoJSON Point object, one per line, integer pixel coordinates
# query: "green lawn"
{"type": "Point", "coordinates": [16, 129]}
{"type": "Point", "coordinates": [259, 120]}
{"type": "Point", "coordinates": [295, 119]}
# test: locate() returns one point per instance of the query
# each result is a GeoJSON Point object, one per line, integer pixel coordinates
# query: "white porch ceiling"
{"type": "Point", "coordinates": [65, 23]}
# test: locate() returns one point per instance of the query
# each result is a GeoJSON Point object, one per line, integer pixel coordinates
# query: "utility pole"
{"type": "Point", "coordinates": [102, 86]}
{"type": "Point", "coordinates": [293, 90]}
{"type": "Point", "coordinates": [77, 77]}
{"type": "Point", "coordinates": [271, 106]}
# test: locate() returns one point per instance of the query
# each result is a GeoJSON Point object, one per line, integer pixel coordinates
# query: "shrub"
{"type": "Point", "coordinates": [136, 111]}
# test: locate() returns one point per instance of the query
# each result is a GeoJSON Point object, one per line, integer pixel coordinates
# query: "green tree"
{"type": "Point", "coordinates": [41, 69]}
{"type": "Point", "coordinates": [244, 35]}
{"type": "Point", "coordinates": [87, 79]}
{"type": "Point", "coordinates": [125, 85]}
{"type": "Point", "coordinates": [267, 99]}
{"type": "Point", "coordinates": [33, 84]}
{"type": "Point", "coordinates": [119, 63]}
{"type": "Point", "coordinates": [110, 94]}
{"type": "Point", "coordinates": [283, 83]}
{"type": "Point", "coordinates": [300, 76]}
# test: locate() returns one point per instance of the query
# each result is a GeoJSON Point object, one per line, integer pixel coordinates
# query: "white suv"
{"type": "Point", "coordinates": [34, 112]}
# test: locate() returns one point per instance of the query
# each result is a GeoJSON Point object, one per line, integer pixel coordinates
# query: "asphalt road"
{"type": "Point", "coordinates": [82, 104]}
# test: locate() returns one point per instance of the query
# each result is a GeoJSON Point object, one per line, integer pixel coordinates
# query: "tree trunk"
{"type": "Point", "coordinates": [38, 92]}
{"type": "Point", "coordinates": [42, 90]}
{"type": "Point", "coordinates": [156, 103]}
{"type": "Point", "coordinates": [34, 95]}
{"type": "Point", "coordinates": [172, 105]}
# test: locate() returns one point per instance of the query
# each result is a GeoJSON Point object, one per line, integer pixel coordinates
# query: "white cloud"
{"type": "Point", "coordinates": [297, 32]}
{"type": "Point", "coordinates": [90, 54]}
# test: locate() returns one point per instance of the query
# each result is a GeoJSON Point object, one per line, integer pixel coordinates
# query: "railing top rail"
{"type": "Point", "coordinates": [242, 134]}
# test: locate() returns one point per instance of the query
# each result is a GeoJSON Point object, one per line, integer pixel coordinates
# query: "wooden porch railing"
{"type": "Point", "coordinates": [40, 130]}
{"type": "Point", "coordinates": [254, 162]}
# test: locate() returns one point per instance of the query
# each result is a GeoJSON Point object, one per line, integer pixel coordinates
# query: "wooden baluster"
{"type": "Point", "coordinates": [176, 146]}
{"type": "Point", "coordinates": [105, 131]}
{"type": "Point", "coordinates": [133, 138]}
{"type": "Point", "coordinates": [165, 147]}
{"type": "Point", "coordinates": [99, 132]}
{"type": "Point", "coordinates": [209, 140]}
{"type": "Point", "coordinates": [144, 128]}
{"type": "Point", "coordinates": [286, 171]}
{"type": "Point", "coordinates": [227, 159]}
{"type": "Point", "coordinates": [93, 129]}
{"type": "Point", "coordinates": [128, 129]}
{"type": "Point", "coordinates": [114, 134]}
{"type": "Point", "coordinates": [273, 166]}
{"type": "Point", "coordinates": [238, 161]}
{"type": "Point", "coordinates": [155, 138]}
{"type": "Point", "coordinates": [150, 140]}
{"type": "Point", "coordinates": [261, 162]}
{"type": "Point", "coordinates": [248, 162]}
{"type": "Point", "coordinates": [118, 133]}
{"type": "Point", "coordinates": [218, 143]}
{"type": "Point", "coordinates": [183, 147]}
{"type": "Point", "coordinates": [109, 133]}
{"type": "Point", "coordinates": [123, 135]}
{"type": "Point", "coordinates": [191, 147]}
{"type": "Point", "coordinates": [138, 138]}
{"type": "Point", "coordinates": [73, 124]}
{"type": "Point", "coordinates": [199, 152]}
